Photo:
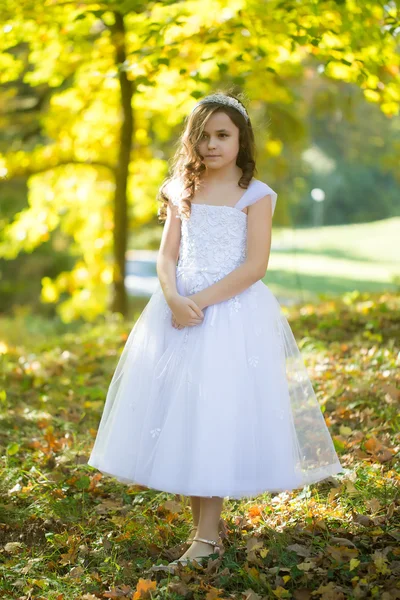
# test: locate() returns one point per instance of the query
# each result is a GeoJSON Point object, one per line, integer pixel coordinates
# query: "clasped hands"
{"type": "Point", "coordinates": [186, 310]}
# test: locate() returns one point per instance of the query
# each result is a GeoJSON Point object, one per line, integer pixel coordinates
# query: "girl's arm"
{"type": "Point", "coordinates": [168, 253]}
{"type": "Point", "coordinates": [184, 309]}
{"type": "Point", "coordinates": [259, 226]}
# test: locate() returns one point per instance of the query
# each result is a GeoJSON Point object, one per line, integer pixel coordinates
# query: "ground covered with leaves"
{"type": "Point", "coordinates": [69, 532]}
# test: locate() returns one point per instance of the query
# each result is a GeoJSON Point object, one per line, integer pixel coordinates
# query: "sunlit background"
{"type": "Point", "coordinates": [88, 88]}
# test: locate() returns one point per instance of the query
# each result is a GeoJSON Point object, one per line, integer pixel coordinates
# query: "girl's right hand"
{"type": "Point", "coordinates": [185, 312]}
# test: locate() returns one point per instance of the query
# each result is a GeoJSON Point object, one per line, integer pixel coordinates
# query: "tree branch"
{"type": "Point", "coordinates": [28, 171]}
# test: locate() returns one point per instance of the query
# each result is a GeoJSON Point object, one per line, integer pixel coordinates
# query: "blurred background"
{"type": "Point", "coordinates": [92, 101]}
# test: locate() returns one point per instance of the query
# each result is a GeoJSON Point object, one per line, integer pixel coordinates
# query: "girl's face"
{"type": "Point", "coordinates": [219, 142]}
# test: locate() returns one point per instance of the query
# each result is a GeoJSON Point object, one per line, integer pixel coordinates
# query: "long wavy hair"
{"type": "Point", "coordinates": [186, 164]}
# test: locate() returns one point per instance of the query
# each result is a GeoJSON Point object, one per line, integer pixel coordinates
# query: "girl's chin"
{"type": "Point", "coordinates": [213, 162]}
{"type": "Point", "coordinates": [211, 166]}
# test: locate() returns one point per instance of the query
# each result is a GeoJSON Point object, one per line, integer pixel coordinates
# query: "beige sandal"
{"type": "Point", "coordinates": [218, 547]}
{"type": "Point", "coordinates": [185, 545]}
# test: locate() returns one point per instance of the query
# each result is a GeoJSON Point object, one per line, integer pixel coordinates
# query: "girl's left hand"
{"type": "Point", "coordinates": [175, 323]}
{"type": "Point", "coordinates": [196, 298]}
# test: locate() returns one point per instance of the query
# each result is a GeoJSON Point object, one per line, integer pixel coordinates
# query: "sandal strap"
{"type": "Point", "coordinates": [212, 542]}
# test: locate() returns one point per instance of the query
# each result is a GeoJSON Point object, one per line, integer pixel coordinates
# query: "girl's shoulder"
{"type": "Point", "coordinates": [257, 190]}
{"type": "Point", "coordinates": [172, 189]}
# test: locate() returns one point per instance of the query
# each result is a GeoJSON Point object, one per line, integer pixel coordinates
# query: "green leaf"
{"type": "Point", "coordinates": [83, 483]}
{"type": "Point", "coordinates": [13, 449]}
{"type": "Point", "coordinates": [223, 67]}
{"type": "Point", "coordinates": [197, 94]}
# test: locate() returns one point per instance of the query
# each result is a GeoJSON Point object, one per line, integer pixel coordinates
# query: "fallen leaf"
{"type": "Point", "coordinates": [144, 588]}
{"type": "Point", "coordinates": [13, 547]}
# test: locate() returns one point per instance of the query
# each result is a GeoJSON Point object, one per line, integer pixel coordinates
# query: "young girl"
{"type": "Point", "coordinates": [211, 397]}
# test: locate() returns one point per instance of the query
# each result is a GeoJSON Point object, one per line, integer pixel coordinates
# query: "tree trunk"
{"type": "Point", "coordinates": [119, 301]}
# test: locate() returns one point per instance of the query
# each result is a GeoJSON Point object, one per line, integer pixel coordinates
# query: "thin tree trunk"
{"type": "Point", "coordinates": [119, 301]}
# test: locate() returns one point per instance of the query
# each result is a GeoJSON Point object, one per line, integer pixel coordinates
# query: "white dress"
{"type": "Point", "coordinates": [224, 408]}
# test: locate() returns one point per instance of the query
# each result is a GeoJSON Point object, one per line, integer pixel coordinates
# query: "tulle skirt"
{"type": "Point", "coordinates": [224, 408]}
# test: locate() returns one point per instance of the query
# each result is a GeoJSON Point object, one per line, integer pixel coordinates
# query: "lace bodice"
{"type": "Point", "coordinates": [214, 238]}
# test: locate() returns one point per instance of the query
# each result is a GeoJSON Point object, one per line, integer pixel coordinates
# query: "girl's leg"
{"type": "Point", "coordinates": [210, 514]}
{"type": "Point", "coordinates": [195, 502]}
{"type": "Point", "coordinates": [208, 527]}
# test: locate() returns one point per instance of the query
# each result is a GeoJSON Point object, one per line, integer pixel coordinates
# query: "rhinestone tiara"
{"type": "Point", "coordinates": [222, 99]}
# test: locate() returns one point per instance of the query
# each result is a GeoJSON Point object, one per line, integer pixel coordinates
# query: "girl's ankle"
{"type": "Point", "coordinates": [208, 537]}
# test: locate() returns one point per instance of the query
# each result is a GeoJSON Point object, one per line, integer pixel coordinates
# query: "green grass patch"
{"type": "Point", "coordinates": [313, 263]}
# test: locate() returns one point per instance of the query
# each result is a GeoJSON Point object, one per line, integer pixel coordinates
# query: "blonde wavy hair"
{"type": "Point", "coordinates": [186, 164]}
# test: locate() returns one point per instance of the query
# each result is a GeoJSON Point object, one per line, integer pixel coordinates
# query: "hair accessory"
{"type": "Point", "coordinates": [222, 99]}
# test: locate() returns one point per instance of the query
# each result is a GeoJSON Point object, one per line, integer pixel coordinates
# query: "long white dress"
{"type": "Point", "coordinates": [224, 408]}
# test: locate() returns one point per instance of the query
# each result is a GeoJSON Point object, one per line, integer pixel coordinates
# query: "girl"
{"type": "Point", "coordinates": [211, 397]}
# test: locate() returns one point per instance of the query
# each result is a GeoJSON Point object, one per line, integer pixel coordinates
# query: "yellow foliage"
{"type": "Point", "coordinates": [340, 71]}
{"type": "Point", "coordinates": [274, 147]}
{"type": "Point", "coordinates": [82, 121]}
{"type": "Point", "coordinates": [390, 109]}
{"type": "Point", "coordinates": [372, 95]}
{"type": "Point", "coordinates": [50, 292]}
{"type": "Point", "coordinates": [354, 562]}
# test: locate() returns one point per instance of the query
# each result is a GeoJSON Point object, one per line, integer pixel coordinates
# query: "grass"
{"type": "Point", "coordinates": [308, 264]}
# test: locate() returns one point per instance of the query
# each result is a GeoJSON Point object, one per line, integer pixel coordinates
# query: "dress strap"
{"type": "Point", "coordinates": [256, 190]}
{"type": "Point", "coordinates": [172, 190]}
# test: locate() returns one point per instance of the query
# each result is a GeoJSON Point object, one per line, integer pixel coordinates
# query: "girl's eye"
{"type": "Point", "coordinates": [224, 134]}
